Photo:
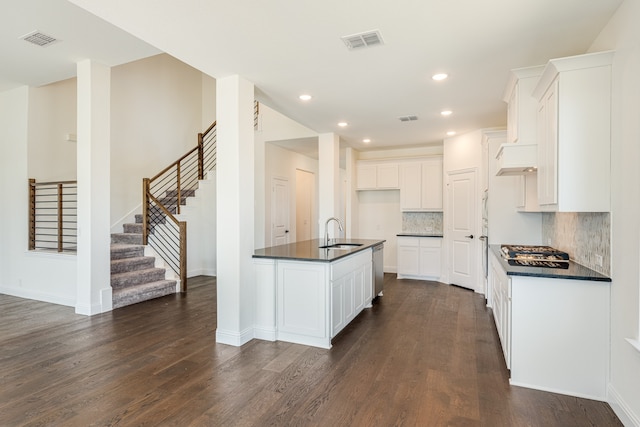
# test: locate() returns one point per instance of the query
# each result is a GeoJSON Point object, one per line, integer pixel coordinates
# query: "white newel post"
{"type": "Point", "coordinates": [328, 182]}
{"type": "Point", "coordinates": [93, 172]}
{"type": "Point", "coordinates": [235, 210]}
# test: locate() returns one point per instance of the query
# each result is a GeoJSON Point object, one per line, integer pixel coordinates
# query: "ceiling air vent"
{"type": "Point", "coordinates": [407, 118]}
{"type": "Point", "coordinates": [38, 38]}
{"type": "Point", "coordinates": [362, 40]}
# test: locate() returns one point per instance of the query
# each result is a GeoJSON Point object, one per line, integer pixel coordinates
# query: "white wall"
{"type": "Point", "coordinates": [622, 34]}
{"type": "Point", "coordinates": [52, 115]}
{"type": "Point", "coordinates": [156, 115]}
{"type": "Point", "coordinates": [46, 277]}
{"type": "Point", "coordinates": [271, 160]}
{"type": "Point", "coordinates": [379, 217]}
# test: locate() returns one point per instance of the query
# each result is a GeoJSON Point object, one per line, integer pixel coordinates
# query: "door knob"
{"type": "Point", "coordinates": [470, 236]}
{"type": "Point", "coordinates": [286, 231]}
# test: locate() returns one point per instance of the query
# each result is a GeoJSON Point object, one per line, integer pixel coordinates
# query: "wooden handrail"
{"type": "Point", "coordinates": [209, 128]}
{"type": "Point", "coordinates": [37, 184]}
{"type": "Point", "coordinates": [173, 164]}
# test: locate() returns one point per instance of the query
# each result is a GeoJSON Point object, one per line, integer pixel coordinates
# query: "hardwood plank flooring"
{"type": "Point", "coordinates": [426, 354]}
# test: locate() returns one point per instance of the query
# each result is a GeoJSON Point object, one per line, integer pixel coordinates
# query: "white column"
{"type": "Point", "coordinates": [351, 221]}
{"type": "Point", "coordinates": [328, 182]}
{"type": "Point", "coordinates": [93, 163]}
{"type": "Point", "coordinates": [235, 210]}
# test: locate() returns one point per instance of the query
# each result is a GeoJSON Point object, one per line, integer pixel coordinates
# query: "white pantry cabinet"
{"type": "Point", "coordinates": [377, 175]}
{"type": "Point", "coordinates": [574, 133]}
{"type": "Point", "coordinates": [554, 332]}
{"type": "Point", "coordinates": [421, 185]}
{"type": "Point", "coordinates": [419, 257]}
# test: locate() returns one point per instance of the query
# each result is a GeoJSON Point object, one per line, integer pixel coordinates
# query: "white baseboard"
{"type": "Point", "coordinates": [622, 410]}
{"type": "Point", "coordinates": [38, 296]}
{"type": "Point", "coordinates": [264, 334]}
{"type": "Point", "coordinates": [201, 272]}
{"type": "Point", "coordinates": [234, 338]}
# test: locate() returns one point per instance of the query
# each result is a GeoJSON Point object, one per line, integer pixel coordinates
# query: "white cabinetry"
{"type": "Point", "coordinates": [554, 332]}
{"type": "Point", "coordinates": [419, 257]}
{"type": "Point", "coordinates": [351, 289]}
{"type": "Point", "coordinates": [521, 110]}
{"type": "Point", "coordinates": [421, 185]}
{"type": "Point", "coordinates": [574, 133]}
{"type": "Point", "coordinates": [377, 175]}
{"type": "Point", "coordinates": [527, 193]}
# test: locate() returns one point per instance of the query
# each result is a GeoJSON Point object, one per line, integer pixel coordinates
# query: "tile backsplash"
{"type": "Point", "coordinates": [582, 235]}
{"type": "Point", "coordinates": [422, 222]}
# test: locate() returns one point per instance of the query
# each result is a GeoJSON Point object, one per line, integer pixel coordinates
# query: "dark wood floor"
{"type": "Point", "coordinates": [426, 354]}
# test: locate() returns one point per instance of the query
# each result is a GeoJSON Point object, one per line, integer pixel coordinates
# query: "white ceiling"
{"type": "Point", "coordinates": [289, 47]}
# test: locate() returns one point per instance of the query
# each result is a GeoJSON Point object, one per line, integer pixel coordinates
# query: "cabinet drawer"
{"type": "Point", "coordinates": [409, 241]}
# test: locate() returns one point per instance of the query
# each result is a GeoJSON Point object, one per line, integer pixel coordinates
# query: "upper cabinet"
{"type": "Point", "coordinates": [421, 185]}
{"type": "Point", "coordinates": [574, 133]}
{"type": "Point", "coordinates": [518, 155]}
{"type": "Point", "coordinates": [377, 175]}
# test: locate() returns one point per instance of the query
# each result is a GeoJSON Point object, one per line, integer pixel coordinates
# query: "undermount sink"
{"type": "Point", "coordinates": [341, 246]}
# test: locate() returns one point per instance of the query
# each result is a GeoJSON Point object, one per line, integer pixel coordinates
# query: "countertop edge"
{"type": "Point", "coordinates": [419, 235]}
{"type": "Point", "coordinates": [337, 254]}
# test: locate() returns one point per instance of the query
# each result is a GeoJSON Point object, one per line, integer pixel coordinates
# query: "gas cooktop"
{"type": "Point", "coordinates": [535, 256]}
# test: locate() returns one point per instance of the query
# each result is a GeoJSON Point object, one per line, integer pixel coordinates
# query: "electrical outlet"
{"type": "Point", "coordinates": [598, 260]}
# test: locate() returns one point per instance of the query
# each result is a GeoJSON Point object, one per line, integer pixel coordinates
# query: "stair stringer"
{"type": "Point", "coordinates": [200, 215]}
{"type": "Point", "coordinates": [169, 274]}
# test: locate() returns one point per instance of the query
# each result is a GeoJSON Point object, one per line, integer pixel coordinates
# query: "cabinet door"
{"type": "Point", "coordinates": [366, 177]}
{"type": "Point", "coordinates": [512, 116]}
{"type": "Point", "coordinates": [338, 320]}
{"type": "Point", "coordinates": [358, 289]}
{"type": "Point", "coordinates": [348, 295]}
{"type": "Point", "coordinates": [411, 186]}
{"type": "Point", "coordinates": [431, 194]}
{"type": "Point", "coordinates": [387, 176]}
{"type": "Point", "coordinates": [548, 147]}
{"type": "Point", "coordinates": [409, 260]}
{"type": "Point", "coordinates": [430, 262]}
{"type": "Point", "coordinates": [368, 283]}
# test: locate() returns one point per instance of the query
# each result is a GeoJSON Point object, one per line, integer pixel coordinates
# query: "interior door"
{"type": "Point", "coordinates": [463, 252]}
{"type": "Point", "coordinates": [279, 211]}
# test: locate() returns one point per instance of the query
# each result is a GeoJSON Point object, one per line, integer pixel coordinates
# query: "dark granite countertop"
{"type": "Point", "coordinates": [309, 250]}
{"type": "Point", "coordinates": [409, 234]}
{"type": "Point", "coordinates": [575, 271]}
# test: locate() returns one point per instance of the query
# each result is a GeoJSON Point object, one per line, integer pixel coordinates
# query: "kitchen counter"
{"type": "Point", "coordinates": [307, 295]}
{"type": "Point", "coordinates": [309, 250]}
{"type": "Point", "coordinates": [408, 234]}
{"type": "Point", "coordinates": [575, 271]}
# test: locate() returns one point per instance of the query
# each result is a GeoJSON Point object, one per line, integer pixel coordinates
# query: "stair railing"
{"type": "Point", "coordinates": [164, 193]}
{"type": "Point", "coordinates": [163, 196]}
{"type": "Point", "coordinates": [53, 218]}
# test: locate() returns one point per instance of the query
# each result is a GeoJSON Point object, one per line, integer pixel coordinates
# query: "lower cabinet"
{"type": "Point", "coordinates": [351, 292]}
{"type": "Point", "coordinates": [554, 332]}
{"type": "Point", "coordinates": [419, 257]}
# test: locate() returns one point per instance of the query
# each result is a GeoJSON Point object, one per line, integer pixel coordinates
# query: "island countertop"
{"type": "Point", "coordinates": [309, 250]}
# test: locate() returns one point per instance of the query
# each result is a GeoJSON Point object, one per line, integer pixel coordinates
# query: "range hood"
{"type": "Point", "coordinates": [517, 159]}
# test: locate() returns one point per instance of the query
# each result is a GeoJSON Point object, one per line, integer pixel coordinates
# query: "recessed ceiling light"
{"type": "Point", "coordinates": [446, 112]}
{"type": "Point", "coordinates": [305, 97]}
{"type": "Point", "coordinates": [451, 133]}
{"type": "Point", "coordinates": [439, 76]}
{"type": "Point", "coordinates": [342, 124]}
{"type": "Point", "coordinates": [366, 140]}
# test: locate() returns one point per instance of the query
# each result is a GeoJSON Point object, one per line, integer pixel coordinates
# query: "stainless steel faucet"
{"type": "Point", "coordinates": [326, 229]}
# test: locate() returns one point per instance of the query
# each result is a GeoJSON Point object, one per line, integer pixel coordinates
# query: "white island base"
{"type": "Point", "coordinates": [310, 302]}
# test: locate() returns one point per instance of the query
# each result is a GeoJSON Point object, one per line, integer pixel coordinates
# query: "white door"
{"type": "Point", "coordinates": [304, 203]}
{"type": "Point", "coordinates": [279, 211]}
{"type": "Point", "coordinates": [462, 208]}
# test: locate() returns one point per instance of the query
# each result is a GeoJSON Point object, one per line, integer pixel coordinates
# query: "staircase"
{"type": "Point", "coordinates": [134, 277]}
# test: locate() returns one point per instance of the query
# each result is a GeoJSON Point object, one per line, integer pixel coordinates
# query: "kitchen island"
{"type": "Point", "coordinates": [307, 294]}
{"type": "Point", "coordinates": [553, 326]}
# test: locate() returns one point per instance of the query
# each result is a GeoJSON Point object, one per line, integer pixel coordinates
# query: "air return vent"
{"type": "Point", "coordinates": [38, 38]}
{"type": "Point", "coordinates": [362, 40]}
{"type": "Point", "coordinates": [407, 118]}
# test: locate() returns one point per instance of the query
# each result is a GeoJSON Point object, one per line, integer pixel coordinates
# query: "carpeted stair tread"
{"type": "Point", "coordinates": [131, 238]}
{"type": "Point", "coordinates": [132, 278]}
{"type": "Point", "coordinates": [126, 296]}
{"type": "Point", "coordinates": [135, 228]}
{"type": "Point", "coordinates": [131, 264]}
{"type": "Point", "coordinates": [125, 250]}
